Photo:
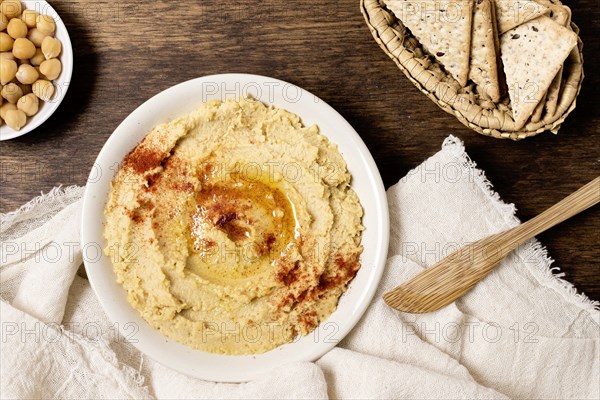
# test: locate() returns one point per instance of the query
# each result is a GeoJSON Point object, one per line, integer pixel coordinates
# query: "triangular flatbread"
{"type": "Point", "coordinates": [532, 54]}
{"type": "Point", "coordinates": [443, 27]}
{"type": "Point", "coordinates": [484, 66]}
{"type": "Point", "coordinates": [512, 13]}
{"type": "Point", "coordinates": [562, 15]}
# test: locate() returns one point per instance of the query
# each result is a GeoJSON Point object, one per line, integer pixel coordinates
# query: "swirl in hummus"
{"type": "Point", "coordinates": [234, 229]}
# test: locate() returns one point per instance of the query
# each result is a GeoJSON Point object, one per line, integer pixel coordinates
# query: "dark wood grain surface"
{"type": "Point", "coordinates": [126, 52]}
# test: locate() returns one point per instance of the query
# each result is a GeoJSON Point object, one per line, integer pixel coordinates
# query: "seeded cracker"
{"type": "Point", "coordinates": [443, 28]}
{"type": "Point", "coordinates": [532, 54]}
{"type": "Point", "coordinates": [512, 13]}
{"type": "Point", "coordinates": [484, 67]}
{"type": "Point", "coordinates": [562, 15]}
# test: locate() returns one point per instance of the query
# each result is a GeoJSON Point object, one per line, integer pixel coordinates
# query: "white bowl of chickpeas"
{"type": "Point", "coordinates": [36, 64]}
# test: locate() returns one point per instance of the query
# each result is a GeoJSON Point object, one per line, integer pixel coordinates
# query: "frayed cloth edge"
{"type": "Point", "coordinates": [59, 191]}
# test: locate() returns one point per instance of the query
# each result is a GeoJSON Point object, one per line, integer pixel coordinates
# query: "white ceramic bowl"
{"type": "Point", "coordinates": [180, 100]}
{"type": "Point", "coordinates": [61, 83]}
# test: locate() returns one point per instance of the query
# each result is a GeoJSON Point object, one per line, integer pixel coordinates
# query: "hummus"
{"type": "Point", "coordinates": [234, 229]}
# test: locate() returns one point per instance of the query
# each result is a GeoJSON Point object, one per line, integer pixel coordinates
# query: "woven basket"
{"type": "Point", "coordinates": [474, 111]}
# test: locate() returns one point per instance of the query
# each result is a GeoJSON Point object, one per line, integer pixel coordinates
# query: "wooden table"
{"type": "Point", "coordinates": [126, 52]}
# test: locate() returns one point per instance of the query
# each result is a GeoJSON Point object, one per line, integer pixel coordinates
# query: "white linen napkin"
{"type": "Point", "coordinates": [521, 333]}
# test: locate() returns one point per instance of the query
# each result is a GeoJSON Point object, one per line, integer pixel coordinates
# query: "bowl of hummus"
{"type": "Point", "coordinates": [234, 223]}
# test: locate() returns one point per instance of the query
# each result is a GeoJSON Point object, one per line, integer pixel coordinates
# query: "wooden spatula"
{"type": "Point", "coordinates": [453, 276]}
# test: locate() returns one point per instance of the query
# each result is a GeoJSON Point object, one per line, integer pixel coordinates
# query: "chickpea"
{"type": "Point", "coordinates": [12, 93]}
{"type": "Point", "coordinates": [43, 89]}
{"type": "Point", "coordinates": [23, 49]}
{"type": "Point", "coordinates": [11, 8]}
{"type": "Point", "coordinates": [4, 108]}
{"type": "Point", "coordinates": [36, 36]}
{"type": "Point", "coordinates": [29, 104]}
{"type": "Point", "coordinates": [6, 42]}
{"type": "Point", "coordinates": [27, 74]}
{"type": "Point", "coordinates": [8, 70]}
{"type": "Point", "coordinates": [38, 58]}
{"type": "Point", "coordinates": [51, 68]}
{"type": "Point", "coordinates": [30, 18]}
{"type": "Point", "coordinates": [17, 28]}
{"type": "Point", "coordinates": [3, 22]}
{"type": "Point", "coordinates": [51, 47]}
{"type": "Point", "coordinates": [8, 55]}
{"type": "Point", "coordinates": [16, 119]}
{"type": "Point", "coordinates": [46, 24]}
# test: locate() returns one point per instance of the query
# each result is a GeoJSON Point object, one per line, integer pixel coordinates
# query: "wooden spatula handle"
{"type": "Point", "coordinates": [456, 274]}
{"type": "Point", "coordinates": [576, 202]}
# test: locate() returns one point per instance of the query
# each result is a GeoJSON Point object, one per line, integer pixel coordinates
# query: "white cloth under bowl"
{"type": "Point", "coordinates": [521, 333]}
